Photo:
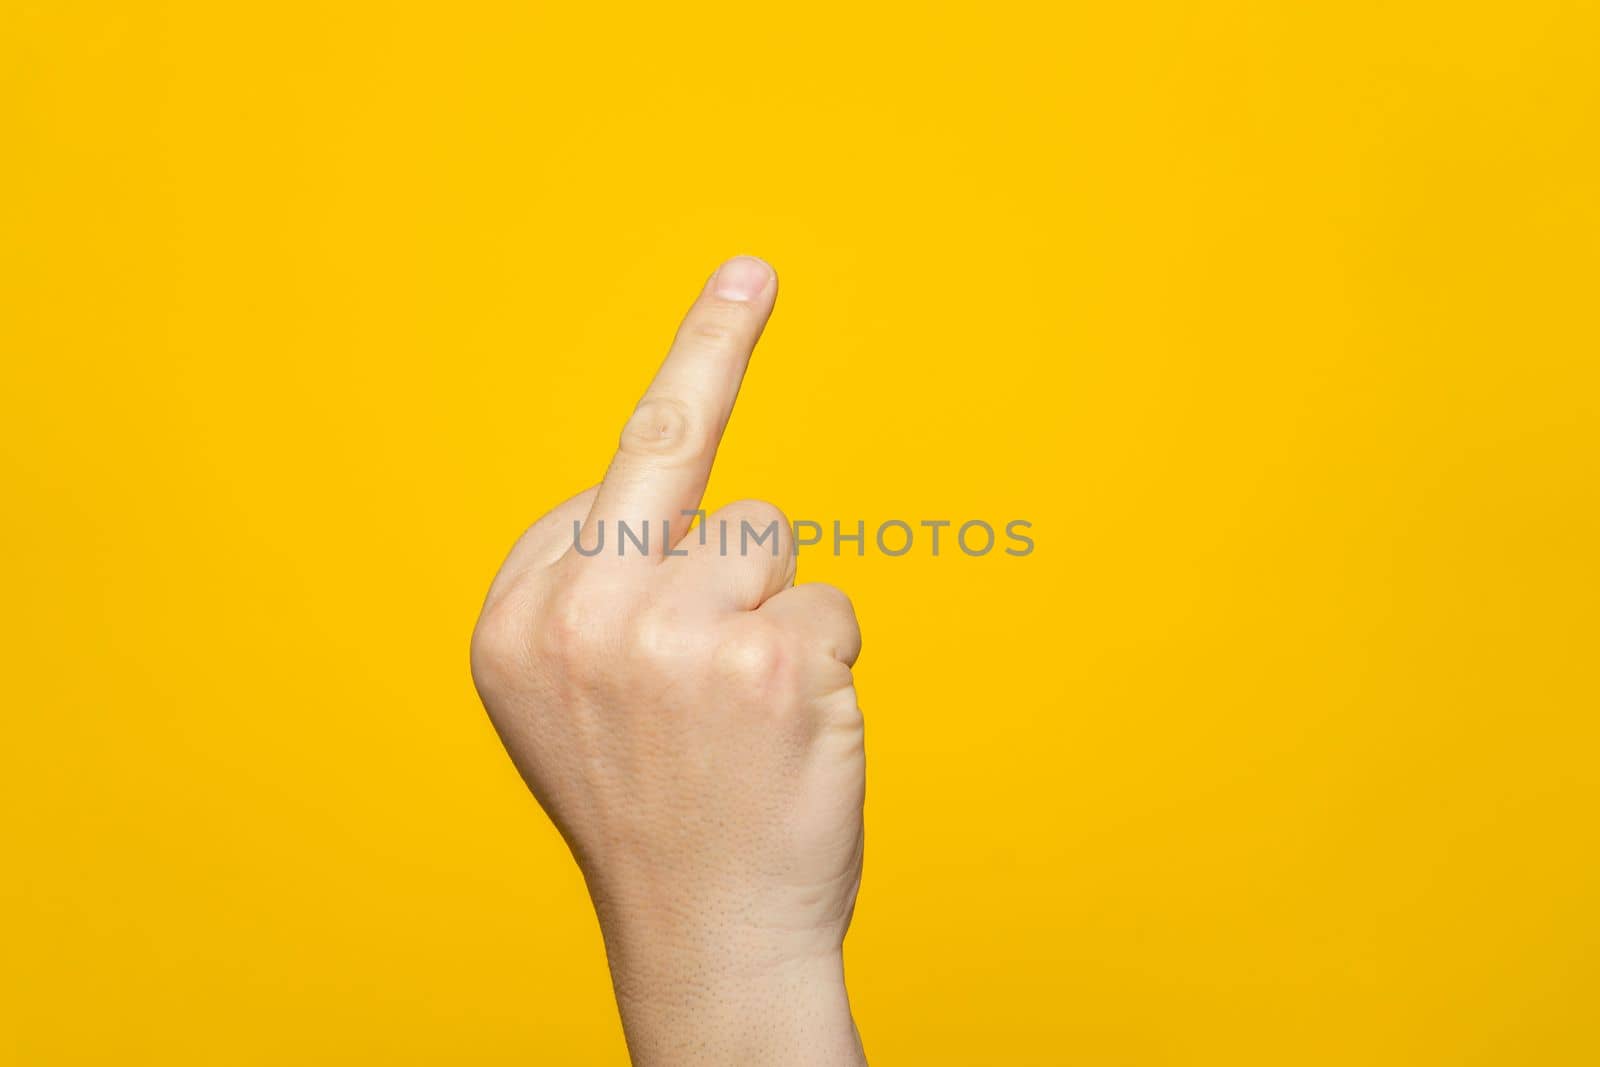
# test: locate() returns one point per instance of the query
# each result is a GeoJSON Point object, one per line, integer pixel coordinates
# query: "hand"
{"type": "Point", "coordinates": [688, 720]}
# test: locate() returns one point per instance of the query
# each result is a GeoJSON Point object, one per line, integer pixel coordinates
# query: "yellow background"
{"type": "Point", "coordinates": [1278, 321]}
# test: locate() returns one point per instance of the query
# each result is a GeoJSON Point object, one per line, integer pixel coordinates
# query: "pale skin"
{"type": "Point", "coordinates": [688, 720]}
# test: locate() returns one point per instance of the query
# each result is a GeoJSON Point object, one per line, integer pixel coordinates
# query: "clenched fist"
{"type": "Point", "coordinates": [687, 717]}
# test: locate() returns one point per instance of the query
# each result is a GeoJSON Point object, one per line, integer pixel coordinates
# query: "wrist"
{"type": "Point", "coordinates": [694, 992]}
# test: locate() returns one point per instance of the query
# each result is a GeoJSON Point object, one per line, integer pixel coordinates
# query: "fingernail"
{"type": "Point", "coordinates": [741, 278]}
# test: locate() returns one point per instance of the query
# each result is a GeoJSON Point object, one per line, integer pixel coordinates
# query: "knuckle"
{"type": "Point", "coordinates": [716, 324]}
{"type": "Point", "coordinates": [841, 713]}
{"type": "Point", "coordinates": [662, 426]}
{"type": "Point", "coordinates": [758, 526]}
{"type": "Point", "coordinates": [846, 628]}
{"type": "Point", "coordinates": [835, 598]}
{"type": "Point", "coordinates": [759, 513]}
{"type": "Point", "coordinates": [753, 657]}
{"type": "Point", "coordinates": [653, 637]}
{"type": "Point", "coordinates": [565, 631]}
{"type": "Point", "coordinates": [498, 644]}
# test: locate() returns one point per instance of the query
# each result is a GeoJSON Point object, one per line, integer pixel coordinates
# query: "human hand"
{"type": "Point", "coordinates": [687, 717]}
